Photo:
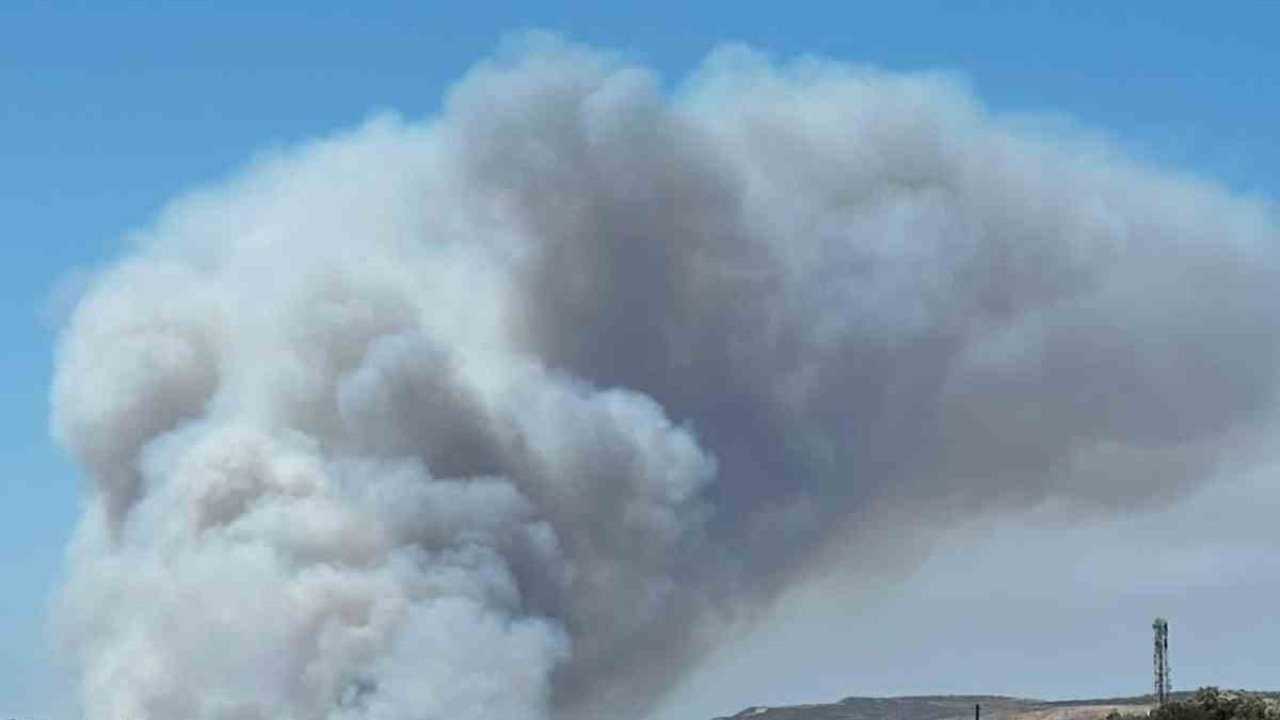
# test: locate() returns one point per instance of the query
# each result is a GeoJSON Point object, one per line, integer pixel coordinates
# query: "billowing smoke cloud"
{"type": "Point", "coordinates": [506, 414]}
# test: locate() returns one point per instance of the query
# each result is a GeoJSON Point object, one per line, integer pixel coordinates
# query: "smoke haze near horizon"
{"type": "Point", "coordinates": [511, 412]}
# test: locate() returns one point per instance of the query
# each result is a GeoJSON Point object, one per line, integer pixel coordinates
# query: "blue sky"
{"type": "Point", "coordinates": [110, 108]}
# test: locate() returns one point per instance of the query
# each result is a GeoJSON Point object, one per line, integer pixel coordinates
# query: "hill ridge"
{"type": "Point", "coordinates": [944, 707]}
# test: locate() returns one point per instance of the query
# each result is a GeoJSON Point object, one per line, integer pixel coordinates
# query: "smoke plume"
{"type": "Point", "coordinates": [508, 413]}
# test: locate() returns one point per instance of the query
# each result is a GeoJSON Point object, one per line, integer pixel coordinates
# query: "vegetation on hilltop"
{"type": "Point", "coordinates": [1211, 703]}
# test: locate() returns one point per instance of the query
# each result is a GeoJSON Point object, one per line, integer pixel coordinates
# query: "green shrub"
{"type": "Point", "coordinates": [1211, 703]}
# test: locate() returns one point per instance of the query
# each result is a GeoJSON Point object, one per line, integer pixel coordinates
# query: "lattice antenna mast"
{"type": "Point", "coordinates": [1161, 661]}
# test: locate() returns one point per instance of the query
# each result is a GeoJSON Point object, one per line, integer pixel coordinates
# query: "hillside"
{"type": "Point", "coordinates": [994, 707]}
{"type": "Point", "coordinates": [947, 707]}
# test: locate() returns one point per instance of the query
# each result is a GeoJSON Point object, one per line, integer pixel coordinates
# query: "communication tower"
{"type": "Point", "coordinates": [1161, 660]}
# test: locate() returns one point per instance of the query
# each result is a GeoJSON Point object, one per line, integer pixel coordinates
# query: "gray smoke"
{"type": "Point", "coordinates": [510, 412]}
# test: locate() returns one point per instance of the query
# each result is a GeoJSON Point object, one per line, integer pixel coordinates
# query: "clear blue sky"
{"type": "Point", "coordinates": [107, 109]}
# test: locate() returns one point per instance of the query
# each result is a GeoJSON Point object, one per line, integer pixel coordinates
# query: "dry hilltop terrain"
{"type": "Point", "coordinates": [1208, 703]}
{"type": "Point", "coordinates": [949, 707]}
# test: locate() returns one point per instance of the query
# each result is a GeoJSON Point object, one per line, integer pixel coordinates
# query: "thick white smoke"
{"type": "Point", "coordinates": [503, 414]}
